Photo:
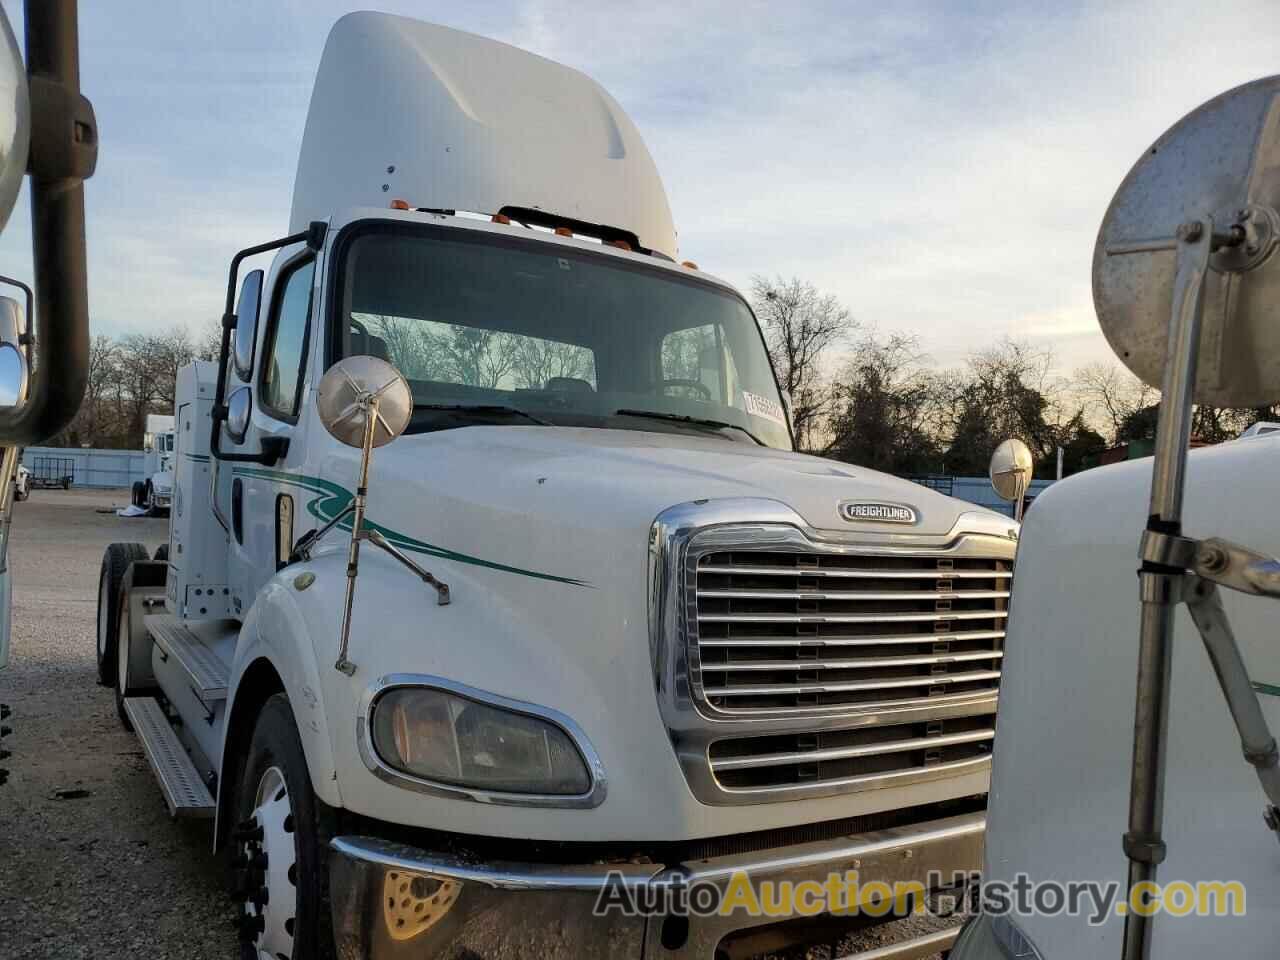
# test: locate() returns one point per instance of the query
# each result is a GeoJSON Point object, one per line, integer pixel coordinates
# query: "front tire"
{"type": "Point", "coordinates": [138, 494]}
{"type": "Point", "coordinates": [281, 873]}
{"type": "Point", "coordinates": [115, 562]}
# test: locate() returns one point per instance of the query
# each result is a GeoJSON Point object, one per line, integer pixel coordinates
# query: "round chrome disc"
{"type": "Point", "coordinates": [275, 900]}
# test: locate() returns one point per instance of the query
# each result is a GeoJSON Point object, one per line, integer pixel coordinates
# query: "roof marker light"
{"type": "Point", "coordinates": [399, 204]}
{"type": "Point", "coordinates": [620, 244]}
{"type": "Point", "coordinates": [689, 263]}
{"type": "Point", "coordinates": [563, 232]}
{"type": "Point", "coordinates": [500, 218]}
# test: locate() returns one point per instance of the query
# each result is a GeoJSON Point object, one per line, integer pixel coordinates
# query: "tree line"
{"type": "Point", "coordinates": [857, 394]}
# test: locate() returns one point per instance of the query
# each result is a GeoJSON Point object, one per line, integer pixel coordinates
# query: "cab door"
{"type": "Point", "coordinates": [279, 384]}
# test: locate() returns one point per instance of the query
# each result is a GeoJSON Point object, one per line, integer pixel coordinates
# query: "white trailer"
{"type": "Point", "coordinates": [615, 628]}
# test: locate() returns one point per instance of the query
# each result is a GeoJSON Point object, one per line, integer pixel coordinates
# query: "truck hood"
{"type": "Point", "coordinates": [624, 478]}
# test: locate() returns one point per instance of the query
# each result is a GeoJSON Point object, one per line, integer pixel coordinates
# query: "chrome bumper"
{"type": "Point", "coordinates": [392, 902]}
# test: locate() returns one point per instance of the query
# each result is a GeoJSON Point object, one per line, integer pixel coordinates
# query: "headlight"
{"type": "Point", "coordinates": [451, 739]}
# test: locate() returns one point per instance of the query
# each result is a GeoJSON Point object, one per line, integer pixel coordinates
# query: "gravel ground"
{"type": "Point", "coordinates": [109, 874]}
{"type": "Point", "coordinates": [104, 872]}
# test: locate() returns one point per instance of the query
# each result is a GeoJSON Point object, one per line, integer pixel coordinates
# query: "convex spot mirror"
{"type": "Point", "coordinates": [13, 376]}
{"type": "Point", "coordinates": [247, 325]}
{"type": "Point", "coordinates": [1222, 162]}
{"type": "Point", "coordinates": [347, 384]}
{"type": "Point", "coordinates": [239, 406]}
{"type": "Point", "coordinates": [1011, 467]}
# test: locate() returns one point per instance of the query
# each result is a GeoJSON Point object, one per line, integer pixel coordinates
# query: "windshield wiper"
{"type": "Point", "coordinates": [484, 409]}
{"type": "Point", "coordinates": [681, 418]}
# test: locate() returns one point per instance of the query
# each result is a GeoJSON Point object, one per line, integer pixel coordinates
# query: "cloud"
{"type": "Point", "coordinates": [941, 167]}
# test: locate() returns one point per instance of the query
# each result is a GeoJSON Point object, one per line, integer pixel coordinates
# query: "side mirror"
{"type": "Point", "coordinates": [247, 325]}
{"type": "Point", "coordinates": [1011, 467]}
{"type": "Point", "coordinates": [15, 120]}
{"type": "Point", "coordinates": [364, 402]}
{"type": "Point", "coordinates": [239, 406]}
{"type": "Point", "coordinates": [13, 376]}
{"type": "Point", "coordinates": [12, 325]}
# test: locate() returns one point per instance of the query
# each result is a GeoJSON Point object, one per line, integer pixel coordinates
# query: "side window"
{"type": "Point", "coordinates": [284, 356]}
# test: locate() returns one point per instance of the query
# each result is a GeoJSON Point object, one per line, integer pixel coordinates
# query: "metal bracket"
{"type": "Point", "coordinates": [64, 131]}
{"type": "Point", "coordinates": [1236, 567]}
{"type": "Point", "coordinates": [1256, 741]}
{"type": "Point", "coordinates": [377, 539]}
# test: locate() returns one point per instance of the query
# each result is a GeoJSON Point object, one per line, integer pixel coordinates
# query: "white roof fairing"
{"type": "Point", "coordinates": [446, 119]}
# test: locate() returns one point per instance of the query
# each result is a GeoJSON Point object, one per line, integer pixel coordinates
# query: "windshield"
{"type": "Point", "coordinates": [536, 333]}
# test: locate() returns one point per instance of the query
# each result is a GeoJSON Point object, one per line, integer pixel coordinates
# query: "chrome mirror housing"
{"type": "Point", "coordinates": [1011, 468]}
{"type": "Point", "coordinates": [364, 401]}
{"type": "Point", "coordinates": [239, 406]}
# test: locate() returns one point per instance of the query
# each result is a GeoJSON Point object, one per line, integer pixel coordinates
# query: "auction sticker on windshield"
{"type": "Point", "coordinates": [764, 407]}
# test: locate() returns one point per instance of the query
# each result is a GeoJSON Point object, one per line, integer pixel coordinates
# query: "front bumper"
{"type": "Point", "coordinates": [393, 902]}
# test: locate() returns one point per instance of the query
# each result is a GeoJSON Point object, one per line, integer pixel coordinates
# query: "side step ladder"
{"type": "Point", "coordinates": [184, 791]}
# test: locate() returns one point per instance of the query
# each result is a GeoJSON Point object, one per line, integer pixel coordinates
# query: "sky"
{"type": "Point", "coordinates": [941, 167]}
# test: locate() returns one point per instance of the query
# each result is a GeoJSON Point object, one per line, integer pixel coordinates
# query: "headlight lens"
{"type": "Point", "coordinates": [451, 739]}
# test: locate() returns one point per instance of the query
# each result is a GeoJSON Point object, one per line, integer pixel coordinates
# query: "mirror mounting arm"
{"type": "Point", "coordinates": [62, 154]}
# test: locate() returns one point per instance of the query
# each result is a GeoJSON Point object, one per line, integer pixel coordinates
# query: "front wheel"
{"type": "Point", "coordinates": [138, 494]}
{"type": "Point", "coordinates": [281, 864]}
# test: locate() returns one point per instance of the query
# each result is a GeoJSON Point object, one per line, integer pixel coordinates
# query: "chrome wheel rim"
{"type": "Point", "coordinates": [104, 597]}
{"type": "Point", "coordinates": [271, 861]}
{"type": "Point", "coordinates": [122, 653]}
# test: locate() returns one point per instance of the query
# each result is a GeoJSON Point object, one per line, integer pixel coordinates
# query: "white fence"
{"type": "Point", "coordinates": [93, 468]}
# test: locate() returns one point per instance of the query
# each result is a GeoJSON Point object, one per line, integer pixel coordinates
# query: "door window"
{"type": "Point", "coordinates": [284, 359]}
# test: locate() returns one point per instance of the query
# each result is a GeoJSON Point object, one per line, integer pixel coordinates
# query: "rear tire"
{"type": "Point", "coordinates": [162, 553]}
{"type": "Point", "coordinates": [115, 562]}
{"type": "Point", "coordinates": [274, 795]}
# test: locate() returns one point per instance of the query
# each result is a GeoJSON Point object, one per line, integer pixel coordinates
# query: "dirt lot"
{"type": "Point", "coordinates": [108, 874]}
{"type": "Point", "coordinates": [103, 872]}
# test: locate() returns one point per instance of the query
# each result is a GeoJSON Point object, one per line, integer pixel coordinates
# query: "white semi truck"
{"type": "Point", "coordinates": [608, 628]}
{"type": "Point", "coordinates": [155, 491]}
{"type": "Point", "coordinates": [1187, 287]}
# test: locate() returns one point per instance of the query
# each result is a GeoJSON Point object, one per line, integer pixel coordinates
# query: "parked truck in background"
{"type": "Point", "coordinates": [616, 626]}
{"type": "Point", "coordinates": [155, 491]}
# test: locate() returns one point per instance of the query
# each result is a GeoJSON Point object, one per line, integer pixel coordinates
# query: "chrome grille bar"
{"type": "Point", "coordinates": [856, 663]}
{"type": "Point", "coordinates": [925, 680]}
{"type": "Point", "coordinates": [846, 753]}
{"type": "Point", "coordinates": [871, 641]}
{"type": "Point", "coordinates": [905, 596]}
{"type": "Point", "coordinates": [851, 617]}
{"type": "Point", "coordinates": [752, 570]}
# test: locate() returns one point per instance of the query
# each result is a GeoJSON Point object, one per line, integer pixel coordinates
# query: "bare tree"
{"type": "Point", "coordinates": [801, 325]}
{"type": "Point", "coordinates": [1111, 395]}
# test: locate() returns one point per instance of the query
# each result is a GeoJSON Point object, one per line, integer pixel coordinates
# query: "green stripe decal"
{"type": "Point", "coordinates": [331, 499]}
{"type": "Point", "coordinates": [198, 458]}
{"type": "Point", "coordinates": [1269, 689]}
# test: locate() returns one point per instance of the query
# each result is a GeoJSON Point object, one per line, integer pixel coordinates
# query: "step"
{"type": "Point", "coordinates": [208, 673]}
{"type": "Point", "coordinates": [918, 948]}
{"type": "Point", "coordinates": [184, 791]}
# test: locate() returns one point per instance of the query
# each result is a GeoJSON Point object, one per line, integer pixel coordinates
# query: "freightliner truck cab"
{"type": "Point", "coordinates": [617, 627]}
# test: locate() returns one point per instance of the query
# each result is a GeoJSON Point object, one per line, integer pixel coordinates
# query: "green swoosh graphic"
{"type": "Point", "coordinates": [1269, 689]}
{"type": "Point", "coordinates": [331, 499]}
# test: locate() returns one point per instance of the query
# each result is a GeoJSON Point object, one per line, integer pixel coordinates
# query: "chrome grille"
{"type": "Point", "coordinates": [785, 633]}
